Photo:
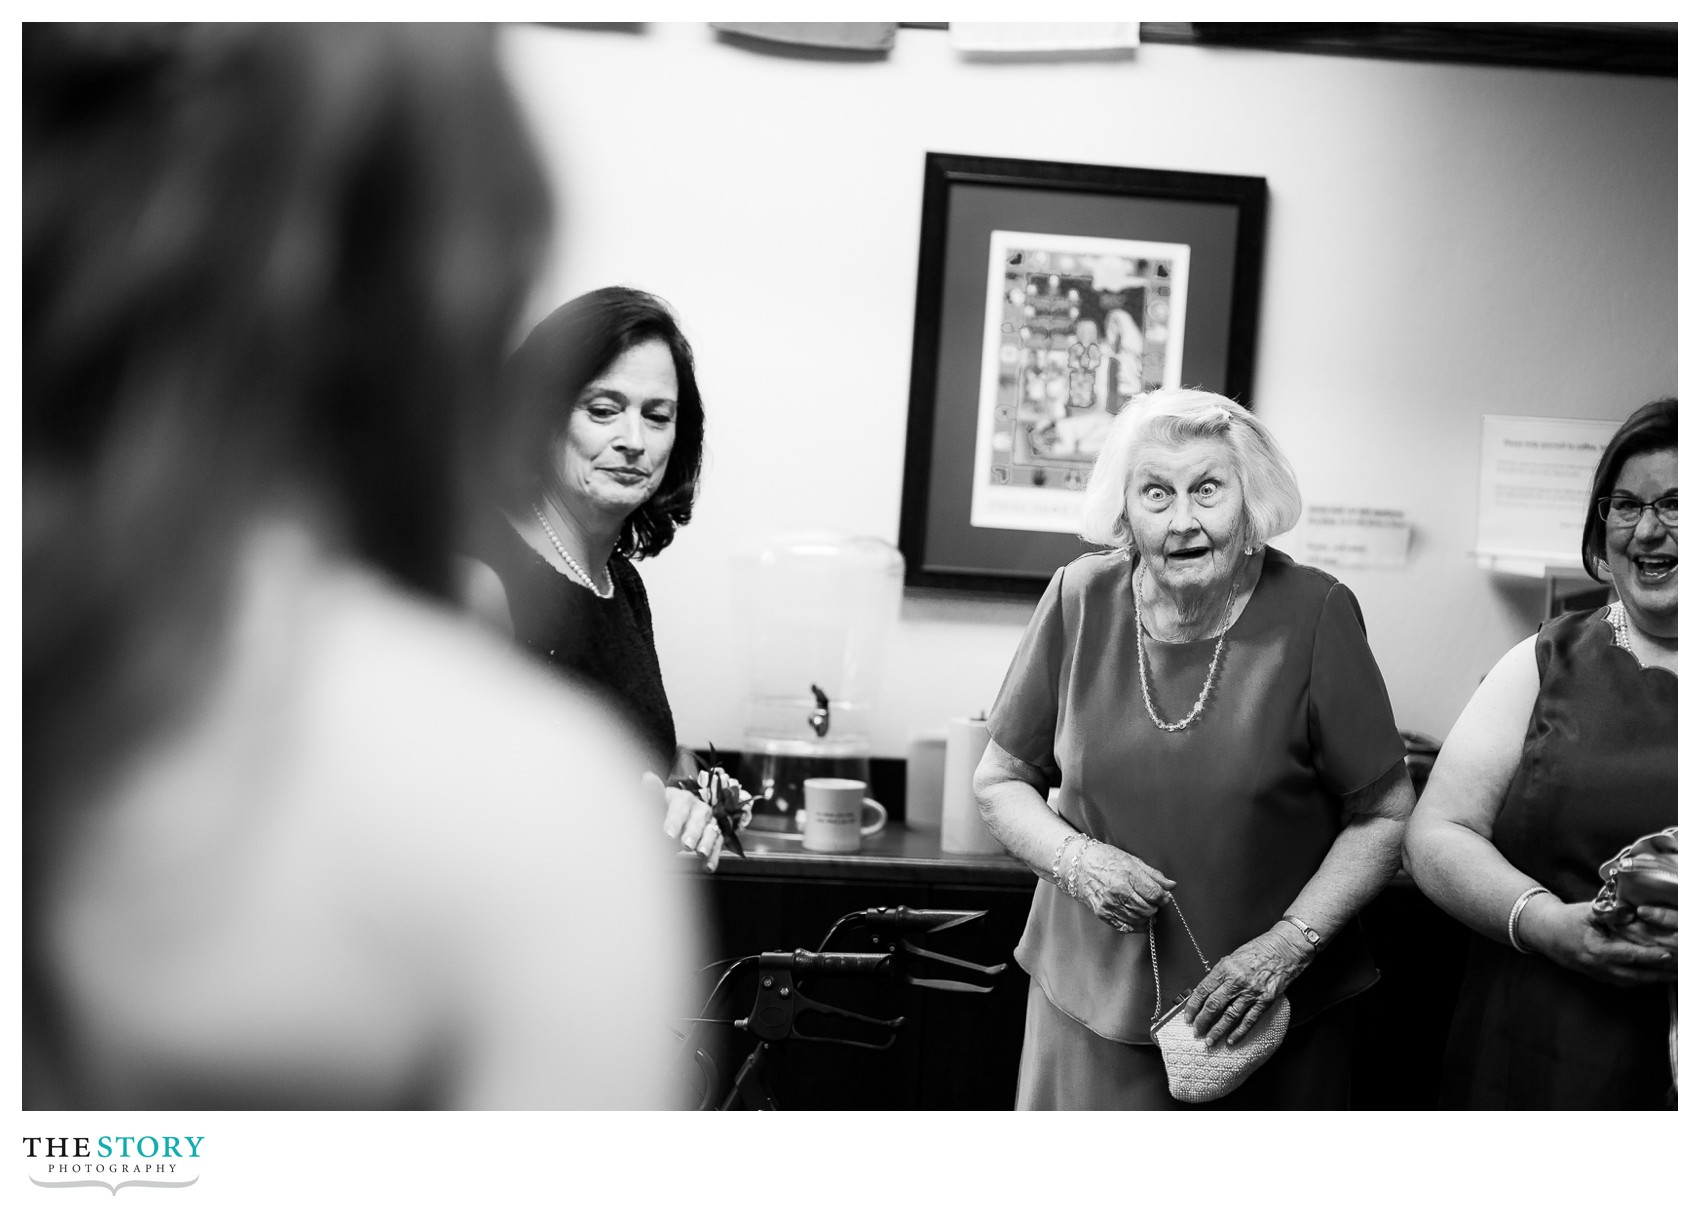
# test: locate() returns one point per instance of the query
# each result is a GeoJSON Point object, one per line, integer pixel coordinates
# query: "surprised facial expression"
{"type": "Point", "coordinates": [1186, 509]}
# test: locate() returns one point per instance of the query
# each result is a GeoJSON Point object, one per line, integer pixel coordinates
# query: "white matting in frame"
{"type": "Point", "coordinates": [1075, 327]}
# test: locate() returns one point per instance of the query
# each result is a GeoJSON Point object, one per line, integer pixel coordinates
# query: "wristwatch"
{"type": "Point", "coordinates": [1311, 936]}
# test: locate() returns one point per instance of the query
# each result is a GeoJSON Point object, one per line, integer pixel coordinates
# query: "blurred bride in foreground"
{"type": "Point", "coordinates": [295, 835]}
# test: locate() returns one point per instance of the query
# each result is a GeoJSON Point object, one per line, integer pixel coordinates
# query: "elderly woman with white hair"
{"type": "Point", "coordinates": [1222, 740]}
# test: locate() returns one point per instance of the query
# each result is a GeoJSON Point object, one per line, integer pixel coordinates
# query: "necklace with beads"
{"type": "Point", "coordinates": [1209, 677]}
{"type": "Point", "coordinates": [1617, 617]}
{"type": "Point", "coordinates": [573, 564]}
{"type": "Point", "coordinates": [1619, 620]}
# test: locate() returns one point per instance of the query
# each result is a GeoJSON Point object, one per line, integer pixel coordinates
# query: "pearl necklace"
{"type": "Point", "coordinates": [1209, 678]}
{"type": "Point", "coordinates": [1620, 627]}
{"type": "Point", "coordinates": [1617, 618]}
{"type": "Point", "coordinates": [567, 556]}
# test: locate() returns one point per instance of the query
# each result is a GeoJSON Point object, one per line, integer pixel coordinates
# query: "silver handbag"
{"type": "Point", "coordinates": [1199, 1073]}
{"type": "Point", "coordinates": [1642, 873]}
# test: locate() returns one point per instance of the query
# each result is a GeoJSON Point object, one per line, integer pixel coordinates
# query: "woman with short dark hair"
{"type": "Point", "coordinates": [1565, 755]}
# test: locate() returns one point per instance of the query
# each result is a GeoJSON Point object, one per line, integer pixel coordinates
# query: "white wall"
{"type": "Point", "coordinates": [1443, 242]}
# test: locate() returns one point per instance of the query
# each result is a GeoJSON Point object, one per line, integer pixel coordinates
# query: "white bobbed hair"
{"type": "Point", "coordinates": [1175, 418]}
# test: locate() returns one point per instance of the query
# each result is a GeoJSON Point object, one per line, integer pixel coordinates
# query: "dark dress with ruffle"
{"type": "Point", "coordinates": [1598, 771]}
{"type": "Point", "coordinates": [609, 644]}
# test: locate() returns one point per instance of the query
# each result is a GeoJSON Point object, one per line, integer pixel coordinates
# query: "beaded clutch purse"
{"type": "Point", "coordinates": [1201, 1074]}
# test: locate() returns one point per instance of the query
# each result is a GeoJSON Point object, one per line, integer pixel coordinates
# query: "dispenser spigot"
{"type": "Point", "coordinates": [820, 719]}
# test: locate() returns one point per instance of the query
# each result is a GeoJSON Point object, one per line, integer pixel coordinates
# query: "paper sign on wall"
{"type": "Point", "coordinates": [1354, 536]}
{"type": "Point", "coordinates": [1536, 473]}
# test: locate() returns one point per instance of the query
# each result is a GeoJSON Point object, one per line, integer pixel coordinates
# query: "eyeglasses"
{"type": "Point", "coordinates": [1623, 512]}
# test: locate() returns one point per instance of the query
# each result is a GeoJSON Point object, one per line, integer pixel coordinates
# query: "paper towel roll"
{"type": "Point", "coordinates": [923, 799]}
{"type": "Point", "coordinates": [963, 831]}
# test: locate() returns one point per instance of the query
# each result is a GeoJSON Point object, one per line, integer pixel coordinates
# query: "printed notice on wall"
{"type": "Point", "coordinates": [1533, 497]}
{"type": "Point", "coordinates": [1353, 536]}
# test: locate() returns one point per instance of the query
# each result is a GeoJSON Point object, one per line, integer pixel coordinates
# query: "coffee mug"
{"type": "Point", "coordinates": [832, 815]}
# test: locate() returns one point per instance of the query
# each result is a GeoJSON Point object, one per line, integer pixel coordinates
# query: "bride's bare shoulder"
{"type": "Point", "coordinates": [378, 822]}
{"type": "Point", "coordinates": [428, 714]}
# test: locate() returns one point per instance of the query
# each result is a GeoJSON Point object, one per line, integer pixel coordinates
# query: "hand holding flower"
{"type": "Point", "coordinates": [706, 813]}
{"type": "Point", "coordinates": [688, 819]}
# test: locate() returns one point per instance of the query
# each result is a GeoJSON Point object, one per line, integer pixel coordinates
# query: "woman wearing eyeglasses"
{"type": "Point", "coordinates": [1566, 754]}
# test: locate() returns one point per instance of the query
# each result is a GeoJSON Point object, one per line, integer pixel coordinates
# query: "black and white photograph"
{"type": "Point", "coordinates": [1075, 328]}
{"type": "Point", "coordinates": [1049, 295]}
{"type": "Point", "coordinates": [580, 575]}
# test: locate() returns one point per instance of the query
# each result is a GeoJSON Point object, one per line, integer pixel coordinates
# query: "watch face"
{"type": "Point", "coordinates": [1311, 936]}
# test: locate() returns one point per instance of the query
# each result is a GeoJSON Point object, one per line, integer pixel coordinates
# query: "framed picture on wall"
{"type": "Point", "coordinates": [1049, 295]}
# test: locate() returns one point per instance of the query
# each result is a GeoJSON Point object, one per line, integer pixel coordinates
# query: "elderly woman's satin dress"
{"type": "Point", "coordinates": [1239, 809]}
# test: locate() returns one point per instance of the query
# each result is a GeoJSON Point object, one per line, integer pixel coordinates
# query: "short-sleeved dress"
{"type": "Point", "coordinates": [1598, 771]}
{"type": "Point", "coordinates": [1239, 808]}
{"type": "Point", "coordinates": [609, 643]}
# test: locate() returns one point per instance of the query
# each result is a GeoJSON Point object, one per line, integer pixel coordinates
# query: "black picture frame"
{"type": "Point", "coordinates": [965, 198]}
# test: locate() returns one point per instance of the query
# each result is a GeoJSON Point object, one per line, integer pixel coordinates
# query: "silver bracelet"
{"type": "Point", "coordinates": [1074, 867]}
{"type": "Point", "coordinates": [1057, 858]}
{"type": "Point", "coordinates": [1517, 908]}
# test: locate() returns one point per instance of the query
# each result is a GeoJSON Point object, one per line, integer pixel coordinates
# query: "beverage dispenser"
{"type": "Point", "coordinates": [816, 610]}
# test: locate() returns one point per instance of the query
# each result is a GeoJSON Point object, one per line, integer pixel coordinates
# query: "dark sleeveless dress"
{"type": "Point", "coordinates": [1598, 771]}
{"type": "Point", "coordinates": [607, 643]}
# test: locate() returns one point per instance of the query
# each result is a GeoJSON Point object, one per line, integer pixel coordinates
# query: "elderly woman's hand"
{"type": "Point", "coordinates": [1122, 890]}
{"type": "Point", "coordinates": [1235, 993]}
{"type": "Point", "coordinates": [1573, 936]}
{"type": "Point", "coordinates": [689, 819]}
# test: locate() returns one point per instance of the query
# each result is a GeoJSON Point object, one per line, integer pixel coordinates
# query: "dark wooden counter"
{"type": "Point", "coordinates": [898, 853]}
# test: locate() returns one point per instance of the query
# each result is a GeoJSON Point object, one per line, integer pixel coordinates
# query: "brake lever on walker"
{"type": "Point", "coordinates": [774, 1016]}
{"type": "Point", "coordinates": [900, 921]}
{"type": "Point", "coordinates": [949, 986]}
{"type": "Point", "coordinates": [905, 920]}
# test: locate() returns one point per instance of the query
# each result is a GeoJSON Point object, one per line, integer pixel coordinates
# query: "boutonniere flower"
{"type": "Point", "coordinates": [732, 805]}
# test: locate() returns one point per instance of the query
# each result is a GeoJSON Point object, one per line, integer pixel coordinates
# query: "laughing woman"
{"type": "Point", "coordinates": [1566, 754]}
{"type": "Point", "coordinates": [1223, 741]}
